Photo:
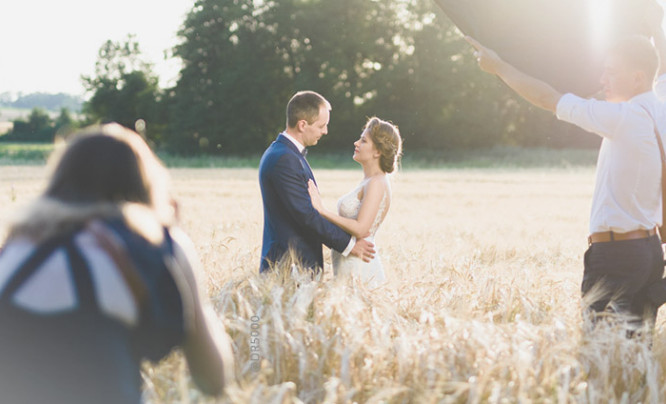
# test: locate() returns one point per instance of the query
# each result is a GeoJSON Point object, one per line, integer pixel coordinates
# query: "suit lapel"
{"type": "Point", "coordinates": [304, 163]}
{"type": "Point", "coordinates": [308, 170]}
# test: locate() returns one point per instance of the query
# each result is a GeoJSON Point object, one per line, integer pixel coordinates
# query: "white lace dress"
{"type": "Point", "coordinates": [371, 273]}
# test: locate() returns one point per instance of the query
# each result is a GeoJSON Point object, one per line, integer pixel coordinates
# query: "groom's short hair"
{"type": "Point", "coordinates": [305, 105]}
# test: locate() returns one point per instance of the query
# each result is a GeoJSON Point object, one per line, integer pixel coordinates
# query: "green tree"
{"type": "Point", "coordinates": [124, 89]}
{"type": "Point", "coordinates": [65, 123]}
{"type": "Point", "coordinates": [451, 103]}
{"type": "Point", "coordinates": [401, 60]}
{"type": "Point", "coordinates": [231, 81]}
{"type": "Point", "coordinates": [244, 59]}
{"type": "Point", "coordinates": [433, 91]}
{"type": "Point", "coordinates": [345, 49]}
{"type": "Point", "coordinates": [37, 128]}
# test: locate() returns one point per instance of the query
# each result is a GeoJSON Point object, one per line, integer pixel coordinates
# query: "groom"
{"type": "Point", "coordinates": [290, 221]}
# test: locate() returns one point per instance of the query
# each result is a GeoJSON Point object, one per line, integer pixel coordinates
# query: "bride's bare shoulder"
{"type": "Point", "coordinates": [378, 185]}
{"type": "Point", "coordinates": [380, 181]}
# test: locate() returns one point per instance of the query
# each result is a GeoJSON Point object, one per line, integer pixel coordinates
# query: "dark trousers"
{"type": "Point", "coordinates": [618, 275]}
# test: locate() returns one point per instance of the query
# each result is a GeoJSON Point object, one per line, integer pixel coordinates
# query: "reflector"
{"type": "Point", "coordinates": [562, 42]}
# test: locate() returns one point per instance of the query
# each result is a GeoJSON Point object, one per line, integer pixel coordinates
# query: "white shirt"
{"type": "Point", "coordinates": [300, 148]}
{"type": "Point", "coordinates": [627, 193]}
{"type": "Point", "coordinates": [296, 143]}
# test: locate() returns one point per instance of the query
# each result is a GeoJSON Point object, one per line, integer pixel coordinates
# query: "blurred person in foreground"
{"type": "Point", "coordinates": [95, 278]}
{"type": "Point", "coordinates": [624, 262]}
{"type": "Point", "coordinates": [365, 207]}
{"type": "Point", "coordinates": [291, 223]}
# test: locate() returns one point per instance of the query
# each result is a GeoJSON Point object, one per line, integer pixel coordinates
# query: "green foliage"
{"type": "Point", "coordinates": [438, 94]}
{"type": "Point", "coordinates": [243, 60]}
{"type": "Point", "coordinates": [37, 128]}
{"type": "Point", "coordinates": [496, 158]}
{"type": "Point", "coordinates": [65, 124]}
{"type": "Point", "coordinates": [348, 50]}
{"type": "Point", "coordinates": [124, 89]}
{"type": "Point", "coordinates": [501, 157]}
{"type": "Point", "coordinates": [12, 153]}
{"type": "Point", "coordinates": [232, 86]}
{"type": "Point", "coordinates": [402, 61]}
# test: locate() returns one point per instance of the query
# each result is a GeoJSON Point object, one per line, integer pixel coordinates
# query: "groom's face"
{"type": "Point", "coordinates": [313, 132]}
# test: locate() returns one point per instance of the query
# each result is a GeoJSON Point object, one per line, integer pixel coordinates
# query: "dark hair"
{"type": "Point", "coordinates": [386, 138]}
{"type": "Point", "coordinates": [305, 105]}
{"type": "Point", "coordinates": [107, 163]}
{"type": "Point", "coordinates": [639, 53]}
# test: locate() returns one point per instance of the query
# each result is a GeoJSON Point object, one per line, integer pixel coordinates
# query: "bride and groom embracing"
{"type": "Point", "coordinates": [294, 216]}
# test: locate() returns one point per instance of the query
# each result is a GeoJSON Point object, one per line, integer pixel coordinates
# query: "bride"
{"type": "Point", "coordinates": [361, 211]}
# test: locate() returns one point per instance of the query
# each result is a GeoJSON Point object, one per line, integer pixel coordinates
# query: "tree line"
{"type": "Point", "coordinates": [51, 102]}
{"type": "Point", "coordinates": [403, 61]}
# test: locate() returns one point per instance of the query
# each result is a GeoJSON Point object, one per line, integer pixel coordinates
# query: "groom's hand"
{"type": "Point", "coordinates": [364, 249]}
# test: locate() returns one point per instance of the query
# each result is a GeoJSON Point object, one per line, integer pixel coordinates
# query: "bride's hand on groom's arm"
{"type": "Point", "coordinates": [315, 197]}
{"type": "Point", "coordinates": [363, 249]}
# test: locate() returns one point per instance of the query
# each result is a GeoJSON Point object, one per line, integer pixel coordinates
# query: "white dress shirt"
{"type": "Point", "coordinates": [300, 148]}
{"type": "Point", "coordinates": [296, 143]}
{"type": "Point", "coordinates": [627, 193]}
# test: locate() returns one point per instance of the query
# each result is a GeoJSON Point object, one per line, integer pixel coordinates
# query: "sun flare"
{"type": "Point", "coordinates": [600, 15]}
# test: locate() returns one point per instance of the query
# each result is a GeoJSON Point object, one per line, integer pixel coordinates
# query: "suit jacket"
{"type": "Point", "coordinates": [290, 220]}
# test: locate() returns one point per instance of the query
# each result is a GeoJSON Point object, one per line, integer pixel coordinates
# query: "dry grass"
{"type": "Point", "coordinates": [482, 303]}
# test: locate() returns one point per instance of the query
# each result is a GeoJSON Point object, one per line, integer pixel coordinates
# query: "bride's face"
{"type": "Point", "coordinates": [364, 148]}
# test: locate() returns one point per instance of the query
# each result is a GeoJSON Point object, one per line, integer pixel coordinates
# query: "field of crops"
{"type": "Point", "coordinates": [482, 302]}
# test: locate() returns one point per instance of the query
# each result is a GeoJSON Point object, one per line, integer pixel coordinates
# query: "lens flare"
{"type": "Point", "coordinates": [600, 15]}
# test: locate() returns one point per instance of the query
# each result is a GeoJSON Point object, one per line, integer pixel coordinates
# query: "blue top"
{"type": "Point", "coordinates": [83, 355]}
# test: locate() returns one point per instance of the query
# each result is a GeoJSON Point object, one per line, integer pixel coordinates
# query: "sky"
{"type": "Point", "coordinates": [46, 45]}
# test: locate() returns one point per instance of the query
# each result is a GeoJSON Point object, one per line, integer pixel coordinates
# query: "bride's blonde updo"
{"type": "Point", "coordinates": [386, 138]}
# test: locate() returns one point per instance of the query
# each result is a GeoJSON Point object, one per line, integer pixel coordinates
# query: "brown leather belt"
{"type": "Point", "coordinates": [606, 236]}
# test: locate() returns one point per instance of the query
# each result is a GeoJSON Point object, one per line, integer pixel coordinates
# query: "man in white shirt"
{"type": "Point", "coordinates": [624, 262]}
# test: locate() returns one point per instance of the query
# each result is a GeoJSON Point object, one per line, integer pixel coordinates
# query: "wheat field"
{"type": "Point", "coordinates": [482, 303]}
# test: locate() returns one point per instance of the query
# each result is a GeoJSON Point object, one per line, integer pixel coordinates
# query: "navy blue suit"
{"type": "Point", "coordinates": [289, 218]}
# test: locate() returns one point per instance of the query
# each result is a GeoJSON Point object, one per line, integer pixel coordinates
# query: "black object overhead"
{"type": "Point", "coordinates": [562, 42]}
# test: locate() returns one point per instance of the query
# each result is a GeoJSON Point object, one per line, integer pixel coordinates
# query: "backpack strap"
{"type": "Point", "coordinates": [78, 268]}
{"type": "Point", "coordinates": [115, 248]}
{"type": "Point", "coordinates": [83, 282]}
{"type": "Point", "coordinates": [31, 264]}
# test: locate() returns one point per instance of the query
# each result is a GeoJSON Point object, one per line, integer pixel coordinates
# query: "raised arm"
{"type": "Point", "coordinates": [535, 91]}
{"type": "Point", "coordinates": [359, 227]}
